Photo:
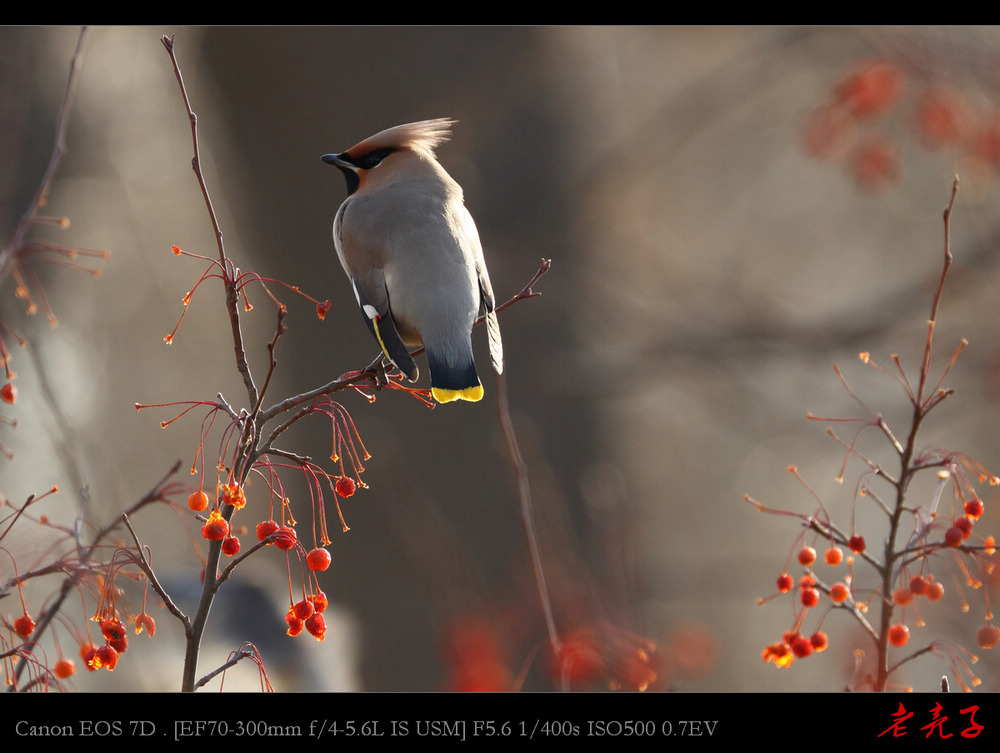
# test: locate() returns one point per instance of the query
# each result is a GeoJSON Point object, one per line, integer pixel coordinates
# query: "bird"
{"type": "Point", "coordinates": [414, 258]}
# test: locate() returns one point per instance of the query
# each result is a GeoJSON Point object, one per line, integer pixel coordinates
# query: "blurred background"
{"type": "Point", "coordinates": [730, 212]}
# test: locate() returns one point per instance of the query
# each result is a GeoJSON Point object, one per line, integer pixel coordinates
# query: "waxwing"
{"type": "Point", "coordinates": [412, 252]}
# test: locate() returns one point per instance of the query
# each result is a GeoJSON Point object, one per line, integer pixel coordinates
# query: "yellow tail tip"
{"type": "Point", "coordinates": [472, 394]}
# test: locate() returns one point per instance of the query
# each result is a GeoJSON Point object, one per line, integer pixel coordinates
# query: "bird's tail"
{"type": "Point", "coordinates": [496, 344]}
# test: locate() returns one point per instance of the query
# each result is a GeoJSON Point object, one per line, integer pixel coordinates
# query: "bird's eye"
{"type": "Point", "coordinates": [374, 159]}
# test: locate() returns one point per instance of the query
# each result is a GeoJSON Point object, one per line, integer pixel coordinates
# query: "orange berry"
{"type": "Point", "coordinates": [295, 625]}
{"type": "Point", "coordinates": [64, 668]}
{"type": "Point", "coordinates": [807, 555]}
{"type": "Point", "coordinates": [88, 652]}
{"type": "Point", "coordinates": [318, 559]}
{"type": "Point", "coordinates": [345, 486]}
{"type": "Point", "coordinates": [935, 591]}
{"type": "Point", "coordinates": [902, 597]}
{"type": "Point", "coordinates": [839, 593]}
{"type": "Point", "coordinates": [232, 494]}
{"type": "Point", "coordinates": [834, 556]}
{"type": "Point", "coordinates": [8, 393]}
{"type": "Point", "coordinates": [899, 634]}
{"type": "Point", "coordinates": [198, 501]}
{"type": "Point", "coordinates": [988, 636]}
{"type": "Point", "coordinates": [105, 658]}
{"type": "Point", "coordinates": [216, 528]}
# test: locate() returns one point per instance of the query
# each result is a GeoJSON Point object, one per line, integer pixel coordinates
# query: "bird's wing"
{"type": "Point", "coordinates": [373, 298]}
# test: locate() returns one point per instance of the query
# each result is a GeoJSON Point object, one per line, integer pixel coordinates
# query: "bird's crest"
{"type": "Point", "coordinates": [422, 136]}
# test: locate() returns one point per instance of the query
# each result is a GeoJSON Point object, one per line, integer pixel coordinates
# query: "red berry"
{"type": "Point", "coordinates": [232, 494]}
{"type": "Point", "coordinates": [266, 528]}
{"type": "Point", "coordinates": [231, 546]}
{"type": "Point", "coordinates": [345, 486]}
{"type": "Point", "coordinates": [295, 625]}
{"type": "Point", "coordinates": [899, 634]}
{"type": "Point", "coordinates": [316, 625]}
{"type": "Point", "coordinates": [974, 508]}
{"type": "Point", "coordinates": [119, 644]}
{"type": "Point", "coordinates": [24, 625]}
{"type": "Point", "coordinates": [819, 640]}
{"type": "Point", "coordinates": [318, 560]}
{"type": "Point", "coordinates": [319, 601]}
{"type": "Point", "coordinates": [113, 629]}
{"type": "Point", "coordinates": [988, 636]}
{"type": "Point", "coordinates": [303, 609]}
{"type": "Point", "coordinates": [810, 597]}
{"type": "Point", "coordinates": [144, 621]}
{"type": "Point", "coordinates": [785, 583]}
{"type": "Point", "coordinates": [105, 658]}
{"type": "Point", "coordinates": [857, 544]}
{"type": "Point", "coordinates": [953, 536]}
{"type": "Point", "coordinates": [198, 501]}
{"type": "Point", "coordinates": [918, 585]}
{"type": "Point", "coordinates": [216, 528]}
{"type": "Point", "coordinates": [801, 647]}
{"type": "Point", "coordinates": [88, 652]}
{"type": "Point", "coordinates": [285, 538]}
{"type": "Point", "coordinates": [875, 164]}
{"type": "Point", "coordinates": [8, 393]}
{"type": "Point", "coordinates": [839, 593]}
{"type": "Point", "coordinates": [871, 91]}
{"type": "Point", "coordinates": [965, 525]}
{"type": "Point", "coordinates": [807, 555]}
{"type": "Point", "coordinates": [834, 556]}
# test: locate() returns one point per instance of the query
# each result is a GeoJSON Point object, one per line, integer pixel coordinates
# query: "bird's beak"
{"type": "Point", "coordinates": [334, 159]}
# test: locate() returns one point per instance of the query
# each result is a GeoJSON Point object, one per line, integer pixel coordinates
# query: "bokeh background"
{"type": "Point", "coordinates": [719, 241]}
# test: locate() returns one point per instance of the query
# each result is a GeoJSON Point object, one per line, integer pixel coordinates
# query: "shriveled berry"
{"type": "Point", "coordinates": [295, 625]}
{"type": "Point", "coordinates": [319, 601]}
{"type": "Point", "coordinates": [316, 625]}
{"type": "Point", "coordinates": [145, 622]}
{"type": "Point", "coordinates": [113, 629]}
{"type": "Point", "coordinates": [105, 658]}
{"type": "Point", "coordinates": [216, 528]}
{"type": "Point", "coordinates": [232, 494]}
{"type": "Point", "coordinates": [857, 544]}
